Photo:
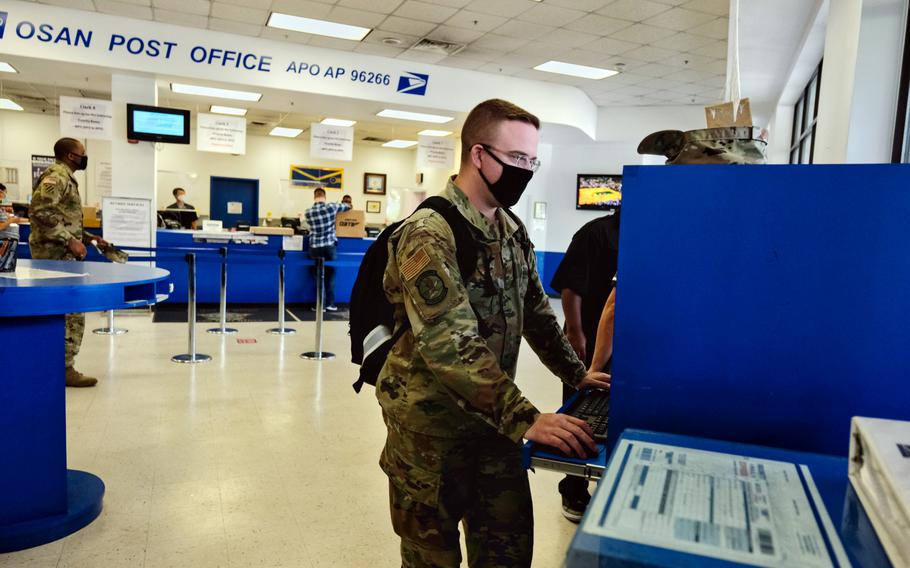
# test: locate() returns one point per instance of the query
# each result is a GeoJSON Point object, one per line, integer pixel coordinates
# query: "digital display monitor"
{"type": "Point", "coordinates": [157, 124]}
{"type": "Point", "coordinates": [598, 191]}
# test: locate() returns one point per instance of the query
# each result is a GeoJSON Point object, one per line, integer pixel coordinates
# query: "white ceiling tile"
{"type": "Point", "coordinates": [305, 8]}
{"type": "Point", "coordinates": [713, 49]}
{"type": "Point", "coordinates": [687, 76]}
{"type": "Point", "coordinates": [583, 5]}
{"type": "Point", "coordinates": [568, 38]}
{"type": "Point", "coordinates": [507, 8]}
{"type": "Point", "coordinates": [515, 28]}
{"type": "Point", "coordinates": [333, 43]}
{"type": "Point", "coordinates": [198, 7]}
{"type": "Point", "coordinates": [232, 27]}
{"type": "Point", "coordinates": [550, 15]}
{"type": "Point", "coordinates": [353, 17]}
{"type": "Point", "coordinates": [382, 6]}
{"type": "Point", "coordinates": [716, 7]}
{"type": "Point", "coordinates": [680, 19]}
{"type": "Point", "coordinates": [285, 35]}
{"type": "Point", "coordinates": [243, 14]}
{"type": "Point", "coordinates": [501, 68]}
{"type": "Point", "coordinates": [626, 79]}
{"type": "Point", "coordinates": [692, 61]}
{"type": "Point", "coordinates": [462, 62]}
{"type": "Point", "coordinates": [683, 42]}
{"type": "Point", "coordinates": [716, 29]}
{"type": "Point", "coordinates": [633, 10]}
{"type": "Point", "coordinates": [651, 54]}
{"type": "Point", "coordinates": [660, 83]}
{"type": "Point", "coordinates": [642, 33]}
{"type": "Point", "coordinates": [598, 25]}
{"type": "Point", "coordinates": [479, 54]}
{"type": "Point", "coordinates": [422, 11]}
{"type": "Point", "coordinates": [520, 59]}
{"type": "Point", "coordinates": [422, 56]}
{"type": "Point", "coordinates": [476, 21]}
{"type": "Point", "coordinates": [257, 4]}
{"type": "Point", "coordinates": [583, 57]}
{"type": "Point", "coordinates": [656, 70]}
{"type": "Point", "coordinates": [126, 10]}
{"type": "Point", "coordinates": [632, 90]}
{"type": "Point", "coordinates": [500, 43]}
{"type": "Point", "coordinates": [75, 4]}
{"type": "Point", "coordinates": [453, 34]}
{"type": "Point", "coordinates": [406, 26]}
{"type": "Point", "coordinates": [610, 46]}
{"type": "Point", "coordinates": [181, 18]}
{"type": "Point", "coordinates": [547, 50]}
{"type": "Point", "coordinates": [450, 3]}
{"type": "Point", "coordinates": [137, 2]}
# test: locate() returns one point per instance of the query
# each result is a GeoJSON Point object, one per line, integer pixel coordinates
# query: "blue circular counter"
{"type": "Point", "coordinates": [40, 500]}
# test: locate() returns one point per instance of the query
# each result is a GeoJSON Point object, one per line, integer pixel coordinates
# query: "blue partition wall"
{"type": "Point", "coordinates": [766, 304]}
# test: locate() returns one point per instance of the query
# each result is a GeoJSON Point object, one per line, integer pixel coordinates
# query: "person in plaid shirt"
{"type": "Point", "coordinates": [321, 220]}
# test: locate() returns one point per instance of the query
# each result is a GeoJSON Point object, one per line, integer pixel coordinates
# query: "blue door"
{"type": "Point", "coordinates": [234, 201]}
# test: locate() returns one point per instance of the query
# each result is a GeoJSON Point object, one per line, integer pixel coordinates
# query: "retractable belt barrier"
{"type": "Point", "coordinates": [191, 356]}
{"type": "Point", "coordinates": [222, 329]}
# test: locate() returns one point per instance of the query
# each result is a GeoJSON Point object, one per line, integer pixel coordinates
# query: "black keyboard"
{"type": "Point", "coordinates": [593, 407]}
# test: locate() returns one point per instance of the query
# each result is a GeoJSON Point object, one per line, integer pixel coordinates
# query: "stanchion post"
{"type": "Point", "coordinates": [319, 354]}
{"type": "Point", "coordinates": [281, 329]}
{"type": "Point", "coordinates": [110, 329]}
{"type": "Point", "coordinates": [222, 329]}
{"type": "Point", "coordinates": [191, 356]}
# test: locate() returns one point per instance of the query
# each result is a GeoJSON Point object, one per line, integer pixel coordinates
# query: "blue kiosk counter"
{"type": "Point", "coordinates": [40, 499]}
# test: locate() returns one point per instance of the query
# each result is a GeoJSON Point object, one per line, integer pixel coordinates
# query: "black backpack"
{"type": "Point", "coordinates": [372, 316]}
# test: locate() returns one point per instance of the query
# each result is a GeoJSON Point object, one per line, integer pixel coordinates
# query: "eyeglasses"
{"type": "Point", "coordinates": [523, 161]}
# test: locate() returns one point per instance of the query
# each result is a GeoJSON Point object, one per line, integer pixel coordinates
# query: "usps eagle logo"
{"type": "Point", "coordinates": [2, 23]}
{"type": "Point", "coordinates": [413, 83]}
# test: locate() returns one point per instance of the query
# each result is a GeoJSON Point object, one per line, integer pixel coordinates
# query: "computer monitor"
{"type": "Point", "coordinates": [177, 218]}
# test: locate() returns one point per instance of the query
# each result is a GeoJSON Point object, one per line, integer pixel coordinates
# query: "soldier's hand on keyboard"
{"type": "Point", "coordinates": [595, 380]}
{"type": "Point", "coordinates": [570, 435]}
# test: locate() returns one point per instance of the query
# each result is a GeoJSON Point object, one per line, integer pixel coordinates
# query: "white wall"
{"type": "Point", "coordinates": [877, 79]}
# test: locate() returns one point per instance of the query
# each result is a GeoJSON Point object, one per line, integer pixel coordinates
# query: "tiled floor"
{"type": "Point", "coordinates": [257, 458]}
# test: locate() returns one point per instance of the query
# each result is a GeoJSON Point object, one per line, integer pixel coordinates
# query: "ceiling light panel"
{"type": "Point", "coordinates": [573, 70]}
{"type": "Point", "coordinates": [185, 89]}
{"type": "Point", "coordinates": [338, 122]}
{"type": "Point", "coordinates": [317, 27]}
{"type": "Point", "coordinates": [286, 132]}
{"type": "Point", "coordinates": [233, 111]}
{"type": "Point", "coordinates": [400, 143]}
{"type": "Point", "coordinates": [415, 116]}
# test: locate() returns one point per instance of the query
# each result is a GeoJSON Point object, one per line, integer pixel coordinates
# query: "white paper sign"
{"type": "Point", "coordinates": [86, 118]}
{"type": "Point", "coordinates": [103, 179]}
{"type": "Point", "coordinates": [435, 152]}
{"type": "Point", "coordinates": [219, 133]}
{"type": "Point", "coordinates": [332, 142]}
{"type": "Point", "coordinates": [235, 207]}
{"type": "Point", "coordinates": [127, 221]}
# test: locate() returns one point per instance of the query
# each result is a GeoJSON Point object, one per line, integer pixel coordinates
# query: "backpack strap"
{"type": "Point", "coordinates": [465, 247]}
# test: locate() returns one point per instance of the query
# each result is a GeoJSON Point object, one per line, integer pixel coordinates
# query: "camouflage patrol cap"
{"type": "Point", "coordinates": [728, 145]}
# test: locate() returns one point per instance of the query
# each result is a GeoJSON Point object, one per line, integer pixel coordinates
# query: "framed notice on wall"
{"type": "Point", "coordinates": [314, 176]}
{"type": "Point", "coordinates": [374, 184]}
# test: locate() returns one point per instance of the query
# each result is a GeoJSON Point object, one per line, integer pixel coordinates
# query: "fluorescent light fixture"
{"type": "Point", "coordinates": [338, 122]}
{"type": "Point", "coordinates": [7, 68]}
{"type": "Point", "coordinates": [8, 104]}
{"type": "Point", "coordinates": [434, 133]}
{"type": "Point", "coordinates": [233, 111]}
{"type": "Point", "coordinates": [317, 27]}
{"type": "Point", "coordinates": [574, 70]}
{"type": "Point", "coordinates": [185, 89]}
{"type": "Point", "coordinates": [286, 132]}
{"type": "Point", "coordinates": [418, 116]}
{"type": "Point", "coordinates": [400, 143]}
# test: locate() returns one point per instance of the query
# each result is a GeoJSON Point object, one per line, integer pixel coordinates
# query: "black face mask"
{"type": "Point", "coordinates": [83, 162]}
{"type": "Point", "coordinates": [511, 184]}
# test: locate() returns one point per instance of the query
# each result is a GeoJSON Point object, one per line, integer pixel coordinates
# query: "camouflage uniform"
{"type": "Point", "coordinates": [56, 217]}
{"type": "Point", "coordinates": [455, 417]}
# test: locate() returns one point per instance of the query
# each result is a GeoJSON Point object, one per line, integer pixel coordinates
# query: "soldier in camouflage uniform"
{"type": "Point", "coordinates": [454, 414]}
{"type": "Point", "coordinates": [55, 214]}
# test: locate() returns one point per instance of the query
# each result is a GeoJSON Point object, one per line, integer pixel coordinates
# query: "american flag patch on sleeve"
{"type": "Point", "coordinates": [412, 266]}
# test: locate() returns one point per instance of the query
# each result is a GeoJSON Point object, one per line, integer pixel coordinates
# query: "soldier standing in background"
{"type": "Point", "coordinates": [57, 234]}
{"type": "Point", "coordinates": [455, 416]}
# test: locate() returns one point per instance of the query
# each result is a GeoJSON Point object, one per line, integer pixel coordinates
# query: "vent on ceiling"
{"type": "Point", "coordinates": [438, 46]}
{"type": "Point", "coordinates": [375, 139]}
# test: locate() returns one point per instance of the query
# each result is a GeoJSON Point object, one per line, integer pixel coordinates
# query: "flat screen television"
{"type": "Point", "coordinates": [157, 124]}
{"type": "Point", "coordinates": [598, 191]}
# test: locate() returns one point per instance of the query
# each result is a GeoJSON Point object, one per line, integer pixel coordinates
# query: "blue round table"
{"type": "Point", "coordinates": [40, 499]}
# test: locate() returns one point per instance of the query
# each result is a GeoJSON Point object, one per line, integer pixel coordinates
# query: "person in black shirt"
{"type": "Point", "coordinates": [584, 280]}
